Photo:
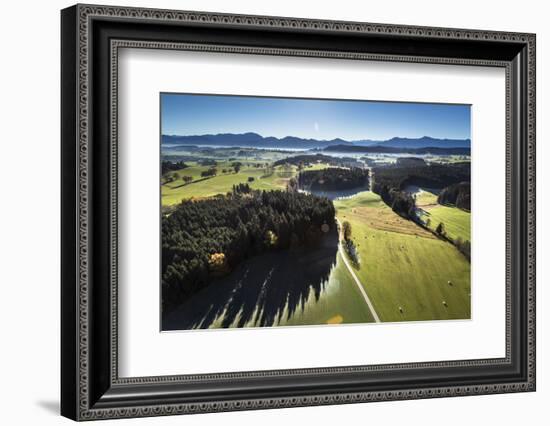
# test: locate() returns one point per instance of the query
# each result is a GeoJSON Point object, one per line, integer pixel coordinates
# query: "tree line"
{"type": "Point", "coordinates": [349, 245]}
{"type": "Point", "coordinates": [204, 239]}
{"type": "Point", "coordinates": [463, 246]}
{"type": "Point", "coordinates": [333, 178]}
{"type": "Point", "coordinates": [390, 182]}
{"type": "Point", "coordinates": [170, 166]}
{"type": "Point", "coordinates": [457, 194]}
{"type": "Point", "coordinates": [307, 159]}
{"type": "Point", "coordinates": [430, 176]}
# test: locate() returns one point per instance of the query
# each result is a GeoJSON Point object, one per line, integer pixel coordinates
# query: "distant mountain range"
{"type": "Point", "coordinates": [249, 140]}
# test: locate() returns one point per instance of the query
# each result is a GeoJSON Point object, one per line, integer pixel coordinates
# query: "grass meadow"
{"type": "Point", "coordinates": [404, 266]}
{"type": "Point", "coordinates": [174, 192]}
{"type": "Point", "coordinates": [340, 303]}
{"type": "Point", "coordinates": [408, 273]}
{"type": "Point", "coordinates": [456, 221]}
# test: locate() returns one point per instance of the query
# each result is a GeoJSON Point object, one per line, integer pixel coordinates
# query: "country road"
{"type": "Point", "coordinates": [352, 272]}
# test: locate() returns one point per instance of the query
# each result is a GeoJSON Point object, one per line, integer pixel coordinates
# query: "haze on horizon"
{"type": "Point", "coordinates": [192, 114]}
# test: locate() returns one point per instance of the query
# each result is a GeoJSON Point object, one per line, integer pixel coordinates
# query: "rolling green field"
{"type": "Point", "coordinates": [456, 221]}
{"type": "Point", "coordinates": [425, 198]}
{"type": "Point", "coordinates": [403, 265]}
{"type": "Point", "coordinates": [175, 192]}
{"type": "Point", "coordinates": [340, 303]}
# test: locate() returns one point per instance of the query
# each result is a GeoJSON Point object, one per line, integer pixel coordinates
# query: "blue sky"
{"type": "Point", "coordinates": [183, 114]}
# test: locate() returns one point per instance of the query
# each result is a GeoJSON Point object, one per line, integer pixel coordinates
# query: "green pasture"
{"type": "Point", "coordinates": [425, 198]}
{"type": "Point", "coordinates": [403, 265]}
{"type": "Point", "coordinates": [456, 221]}
{"type": "Point", "coordinates": [340, 303]}
{"type": "Point", "coordinates": [362, 199]}
{"type": "Point", "coordinates": [176, 191]}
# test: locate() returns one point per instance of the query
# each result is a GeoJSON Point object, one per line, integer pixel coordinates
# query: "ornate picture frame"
{"type": "Point", "coordinates": [91, 37]}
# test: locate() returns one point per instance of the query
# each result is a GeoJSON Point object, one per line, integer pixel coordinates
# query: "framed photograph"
{"type": "Point", "coordinates": [263, 212]}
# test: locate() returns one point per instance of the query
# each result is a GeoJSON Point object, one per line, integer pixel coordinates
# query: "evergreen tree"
{"type": "Point", "coordinates": [346, 229]}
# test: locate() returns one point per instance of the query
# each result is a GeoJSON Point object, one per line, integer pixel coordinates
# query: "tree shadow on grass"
{"type": "Point", "coordinates": [258, 291]}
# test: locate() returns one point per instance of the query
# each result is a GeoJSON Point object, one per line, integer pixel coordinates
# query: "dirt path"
{"type": "Point", "coordinates": [352, 273]}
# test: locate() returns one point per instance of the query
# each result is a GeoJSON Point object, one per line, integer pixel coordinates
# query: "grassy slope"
{"type": "Point", "coordinates": [404, 265]}
{"type": "Point", "coordinates": [425, 198]}
{"type": "Point", "coordinates": [341, 302]}
{"type": "Point", "coordinates": [174, 192]}
{"type": "Point", "coordinates": [408, 268]}
{"type": "Point", "coordinates": [457, 221]}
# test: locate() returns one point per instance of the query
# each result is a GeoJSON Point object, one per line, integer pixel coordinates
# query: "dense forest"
{"type": "Point", "coordinates": [431, 176]}
{"type": "Point", "coordinates": [390, 182]}
{"type": "Point", "coordinates": [457, 194]}
{"type": "Point", "coordinates": [205, 239]}
{"type": "Point", "coordinates": [309, 159]}
{"type": "Point", "coordinates": [305, 159]}
{"type": "Point", "coordinates": [333, 178]}
{"type": "Point", "coordinates": [410, 162]}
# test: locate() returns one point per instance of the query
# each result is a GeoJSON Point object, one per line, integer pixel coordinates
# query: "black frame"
{"type": "Point", "coordinates": [91, 37]}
